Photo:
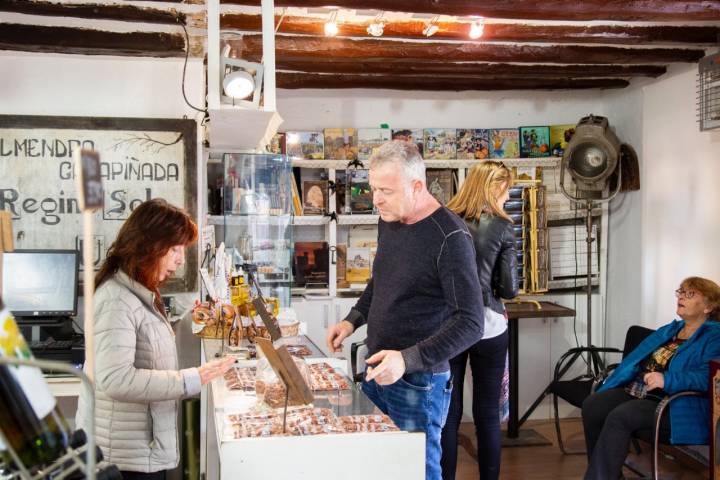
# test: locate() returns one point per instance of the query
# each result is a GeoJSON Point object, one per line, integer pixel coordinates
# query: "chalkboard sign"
{"type": "Point", "coordinates": [89, 184]}
{"type": "Point", "coordinates": [140, 159]}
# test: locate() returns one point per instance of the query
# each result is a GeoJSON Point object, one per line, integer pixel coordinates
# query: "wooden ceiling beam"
{"type": "Point", "coordinates": [617, 10]}
{"type": "Point", "coordinates": [505, 32]}
{"type": "Point", "coordinates": [307, 80]}
{"type": "Point", "coordinates": [472, 70]}
{"type": "Point", "coordinates": [31, 38]}
{"type": "Point", "coordinates": [94, 11]}
{"type": "Point", "coordinates": [337, 49]}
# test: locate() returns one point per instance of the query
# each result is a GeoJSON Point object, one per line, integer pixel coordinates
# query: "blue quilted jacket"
{"type": "Point", "coordinates": [688, 370]}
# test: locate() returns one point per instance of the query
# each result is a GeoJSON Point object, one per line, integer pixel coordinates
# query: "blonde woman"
{"type": "Point", "coordinates": [480, 203]}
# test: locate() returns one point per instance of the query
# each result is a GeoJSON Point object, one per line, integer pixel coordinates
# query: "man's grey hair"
{"type": "Point", "coordinates": [404, 154]}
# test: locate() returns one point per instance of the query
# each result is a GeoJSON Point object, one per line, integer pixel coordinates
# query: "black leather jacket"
{"type": "Point", "coordinates": [495, 257]}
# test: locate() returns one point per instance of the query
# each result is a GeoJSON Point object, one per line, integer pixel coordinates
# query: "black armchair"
{"type": "Point", "coordinates": [577, 389]}
{"type": "Point", "coordinates": [653, 436]}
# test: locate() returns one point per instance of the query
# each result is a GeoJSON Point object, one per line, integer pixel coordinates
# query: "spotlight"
{"type": "Point", "coordinates": [476, 29]}
{"type": "Point", "coordinates": [431, 27]}
{"type": "Point", "coordinates": [240, 79]}
{"type": "Point", "coordinates": [377, 27]}
{"type": "Point", "coordinates": [331, 28]}
{"type": "Point", "coordinates": [239, 84]}
{"type": "Point", "coordinates": [591, 157]}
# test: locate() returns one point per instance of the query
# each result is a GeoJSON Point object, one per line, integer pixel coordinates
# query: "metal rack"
{"type": "Point", "coordinates": [72, 461]}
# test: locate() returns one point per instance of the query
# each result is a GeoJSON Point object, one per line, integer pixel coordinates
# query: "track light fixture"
{"type": "Point", "coordinates": [476, 28]}
{"type": "Point", "coordinates": [377, 27]}
{"type": "Point", "coordinates": [431, 27]}
{"type": "Point", "coordinates": [331, 28]}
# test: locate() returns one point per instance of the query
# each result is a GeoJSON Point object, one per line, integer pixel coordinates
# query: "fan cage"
{"type": "Point", "coordinates": [709, 92]}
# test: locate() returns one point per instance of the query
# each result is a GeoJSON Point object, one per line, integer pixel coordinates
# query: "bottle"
{"type": "Point", "coordinates": [263, 201]}
{"type": "Point", "coordinates": [29, 418]}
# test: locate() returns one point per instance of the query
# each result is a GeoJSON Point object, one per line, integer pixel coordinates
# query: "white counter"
{"type": "Point", "coordinates": [355, 456]}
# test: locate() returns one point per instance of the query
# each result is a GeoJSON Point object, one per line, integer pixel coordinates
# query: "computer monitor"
{"type": "Point", "coordinates": [39, 284]}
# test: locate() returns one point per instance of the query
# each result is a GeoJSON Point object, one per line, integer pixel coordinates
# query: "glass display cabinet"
{"type": "Point", "coordinates": [256, 218]}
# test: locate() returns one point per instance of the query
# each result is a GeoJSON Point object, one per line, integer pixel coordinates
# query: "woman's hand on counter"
{"type": "Point", "coordinates": [211, 370]}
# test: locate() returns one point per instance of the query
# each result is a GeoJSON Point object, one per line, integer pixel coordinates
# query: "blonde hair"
{"type": "Point", "coordinates": [480, 191]}
{"type": "Point", "coordinates": [708, 289]}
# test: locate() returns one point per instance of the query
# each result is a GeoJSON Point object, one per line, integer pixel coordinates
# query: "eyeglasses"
{"type": "Point", "coordinates": [684, 293]}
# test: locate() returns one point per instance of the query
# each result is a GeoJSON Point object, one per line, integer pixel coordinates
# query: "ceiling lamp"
{"type": "Point", "coordinates": [331, 28]}
{"type": "Point", "coordinates": [377, 27]}
{"type": "Point", "coordinates": [476, 28]}
{"type": "Point", "coordinates": [431, 27]}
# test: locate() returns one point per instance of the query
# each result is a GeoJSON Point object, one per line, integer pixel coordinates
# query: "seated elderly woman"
{"type": "Point", "coordinates": [671, 359]}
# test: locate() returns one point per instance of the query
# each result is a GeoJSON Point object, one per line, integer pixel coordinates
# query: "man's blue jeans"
{"type": "Point", "coordinates": [417, 402]}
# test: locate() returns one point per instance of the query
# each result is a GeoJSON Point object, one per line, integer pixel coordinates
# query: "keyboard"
{"type": "Point", "coordinates": [51, 344]}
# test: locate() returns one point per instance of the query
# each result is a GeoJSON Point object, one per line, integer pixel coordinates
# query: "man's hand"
{"type": "Point", "coordinates": [337, 333]}
{"type": "Point", "coordinates": [390, 369]}
{"type": "Point", "coordinates": [654, 380]}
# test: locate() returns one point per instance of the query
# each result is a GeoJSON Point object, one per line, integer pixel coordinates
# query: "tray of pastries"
{"type": "Point", "coordinates": [303, 421]}
{"type": "Point", "coordinates": [323, 377]}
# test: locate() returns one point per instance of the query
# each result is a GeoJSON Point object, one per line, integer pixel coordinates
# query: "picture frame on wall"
{"type": "Point", "coordinates": [140, 159]}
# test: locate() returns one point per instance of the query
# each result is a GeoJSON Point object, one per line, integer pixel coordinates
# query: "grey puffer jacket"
{"type": "Point", "coordinates": [137, 381]}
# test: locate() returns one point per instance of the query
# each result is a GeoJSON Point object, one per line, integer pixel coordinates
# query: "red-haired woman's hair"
{"type": "Point", "coordinates": [152, 229]}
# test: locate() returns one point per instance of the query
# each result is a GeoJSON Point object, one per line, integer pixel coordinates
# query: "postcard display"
{"type": "Point", "coordinates": [249, 439]}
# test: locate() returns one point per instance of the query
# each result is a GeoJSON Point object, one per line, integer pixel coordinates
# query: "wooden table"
{"type": "Point", "coordinates": [516, 311]}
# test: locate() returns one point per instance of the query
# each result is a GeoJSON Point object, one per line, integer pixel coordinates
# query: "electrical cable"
{"type": "Point", "coordinates": [187, 54]}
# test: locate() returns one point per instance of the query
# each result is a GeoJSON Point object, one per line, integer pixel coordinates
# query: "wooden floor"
{"type": "Point", "coordinates": [548, 462]}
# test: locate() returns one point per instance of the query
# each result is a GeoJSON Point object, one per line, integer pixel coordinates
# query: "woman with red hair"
{"type": "Point", "coordinates": [137, 381]}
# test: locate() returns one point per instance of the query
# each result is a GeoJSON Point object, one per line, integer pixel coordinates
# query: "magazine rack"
{"type": "Point", "coordinates": [75, 460]}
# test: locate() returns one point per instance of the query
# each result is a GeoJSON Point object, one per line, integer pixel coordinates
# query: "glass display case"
{"type": "Point", "coordinates": [257, 218]}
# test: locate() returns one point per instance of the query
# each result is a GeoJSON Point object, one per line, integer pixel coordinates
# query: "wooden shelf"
{"type": "Point", "coordinates": [300, 220]}
{"type": "Point", "coordinates": [358, 219]}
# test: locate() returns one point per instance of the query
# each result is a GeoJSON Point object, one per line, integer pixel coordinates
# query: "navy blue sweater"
{"type": "Point", "coordinates": [424, 297]}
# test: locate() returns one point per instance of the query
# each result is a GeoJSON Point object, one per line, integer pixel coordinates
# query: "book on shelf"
{"type": "Point", "coordinates": [341, 143]}
{"type": "Point", "coordinates": [363, 236]}
{"type": "Point", "coordinates": [360, 193]}
{"type": "Point", "coordinates": [341, 264]}
{"type": "Point", "coordinates": [473, 143]}
{"type": "Point", "coordinates": [369, 140]}
{"type": "Point", "coordinates": [439, 143]}
{"type": "Point", "coordinates": [527, 174]}
{"type": "Point", "coordinates": [534, 142]}
{"type": "Point", "coordinates": [341, 192]}
{"type": "Point", "coordinates": [358, 265]}
{"type": "Point", "coordinates": [277, 144]}
{"type": "Point", "coordinates": [412, 135]}
{"type": "Point", "coordinates": [440, 184]}
{"type": "Point", "coordinates": [310, 264]}
{"type": "Point", "coordinates": [560, 136]}
{"type": "Point", "coordinates": [308, 145]}
{"type": "Point", "coordinates": [504, 143]}
{"type": "Point", "coordinates": [315, 197]}
{"type": "Point", "coordinates": [297, 204]}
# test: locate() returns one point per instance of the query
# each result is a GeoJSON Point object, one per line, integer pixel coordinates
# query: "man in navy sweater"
{"type": "Point", "coordinates": [423, 304]}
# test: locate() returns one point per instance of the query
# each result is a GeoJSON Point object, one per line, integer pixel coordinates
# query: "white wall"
{"type": "Point", "coordinates": [317, 109]}
{"type": "Point", "coordinates": [79, 85]}
{"type": "Point", "coordinates": [680, 194]}
{"type": "Point", "coordinates": [624, 110]}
